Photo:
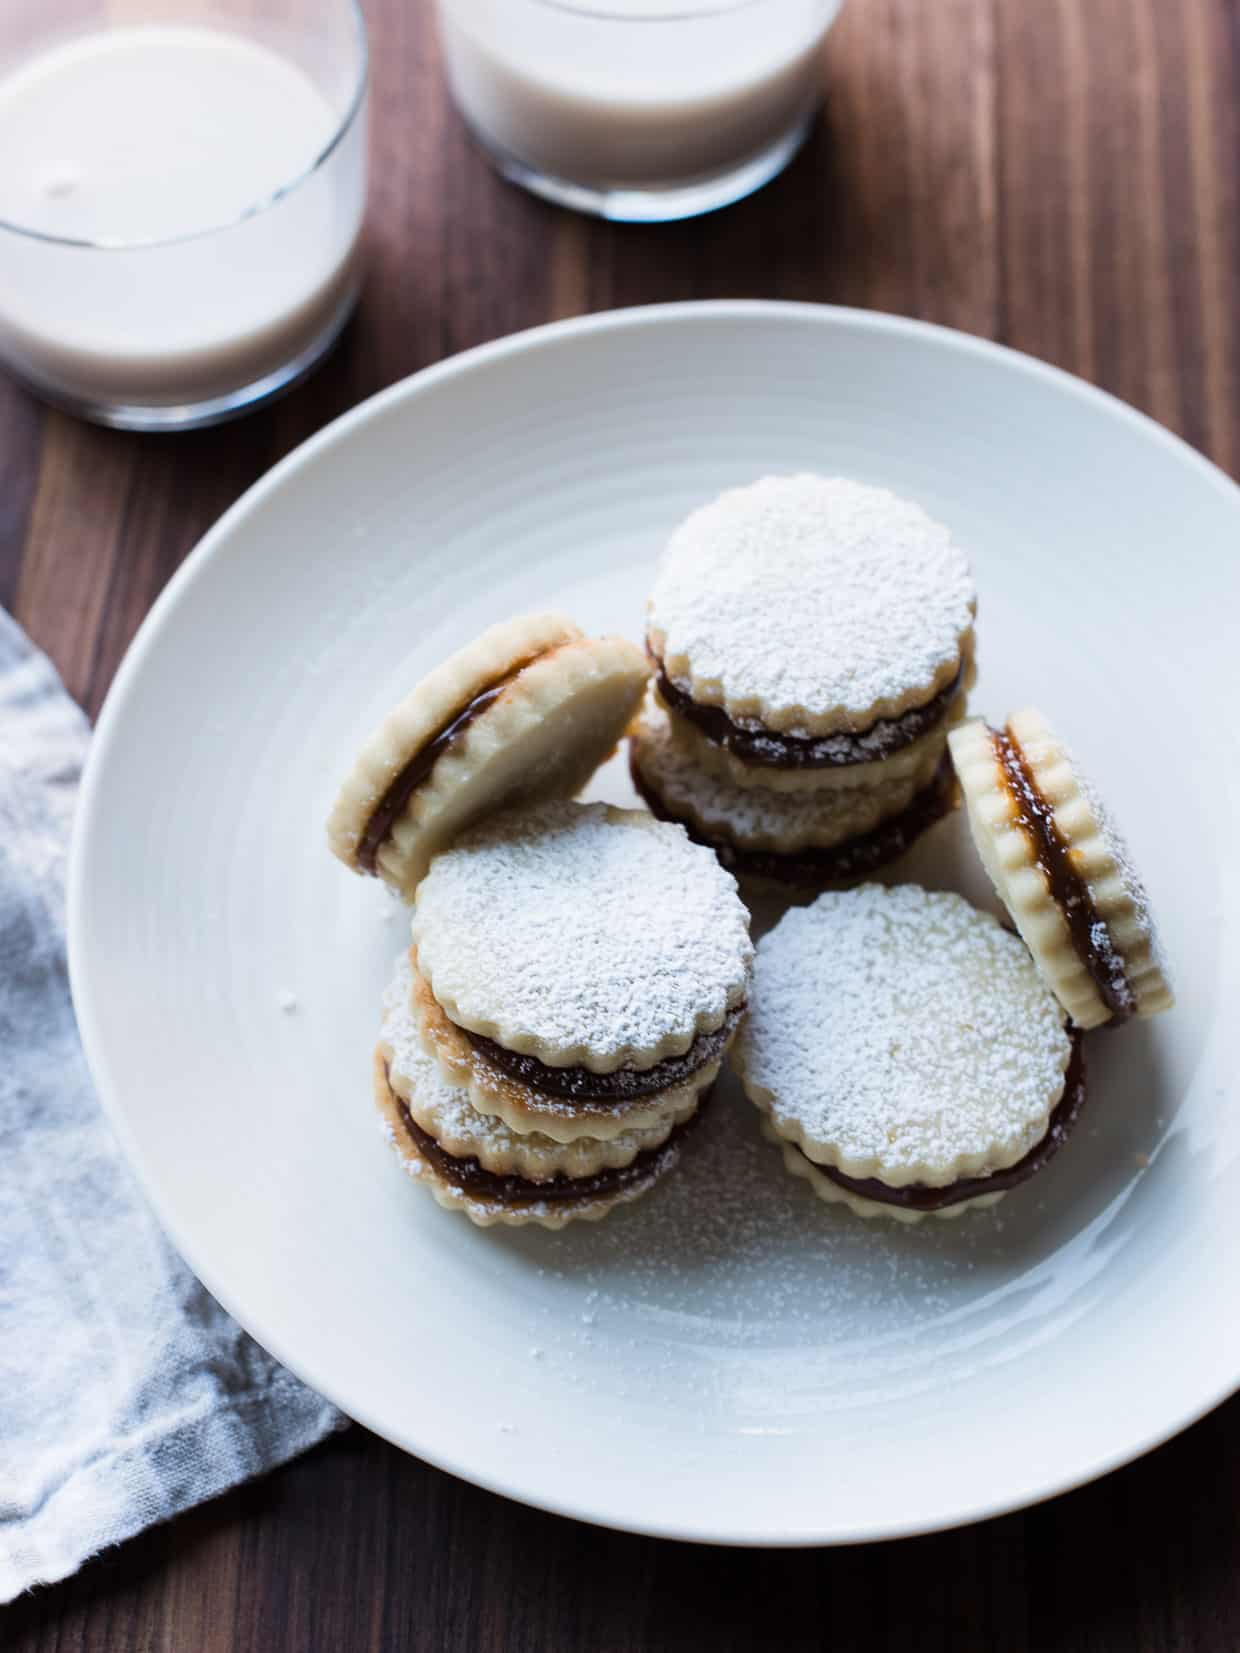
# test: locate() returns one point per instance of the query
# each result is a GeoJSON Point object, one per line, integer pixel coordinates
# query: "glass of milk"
{"type": "Point", "coordinates": [637, 109]}
{"type": "Point", "coordinates": [182, 185]}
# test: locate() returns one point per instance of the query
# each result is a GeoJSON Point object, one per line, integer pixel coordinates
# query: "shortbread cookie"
{"type": "Point", "coordinates": [585, 937]}
{"type": "Point", "coordinates": [917, 761]}
{"type": "Point", "coordinates": [905, 1045]}
{"type": "Point", "coordinates": [752, 817]}
{"type": "Point", "coordinates": [1062, 870]}
{"type": "Point", "coordinates": [445, 1112]}
{"type": "Point", "coordinates": [528, 710]}
{"type": "Point", "coordinates": [487, 1197]}
{"type": "Point", "coordinates": [803, 607]}
{"type": "Point", "coordinates": [835, 1193]}
{"type": "Point", "coordinates": [568, 1105]}
{"type": "Point", "coordinates": [807, 839]}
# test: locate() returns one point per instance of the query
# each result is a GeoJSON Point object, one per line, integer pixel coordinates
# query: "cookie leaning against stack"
{"type": "Point", "coordinates": [529, 709]}
{"type": "Point", "coordinates": [577, 971]}
{"type": "Point", "coordinates": [812, 640]}
{"type": "Point", "coordinates": [1061, 869]}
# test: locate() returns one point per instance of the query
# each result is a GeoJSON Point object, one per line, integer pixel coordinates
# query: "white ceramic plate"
{"type": "Point", "coordinates": [728, 1359]}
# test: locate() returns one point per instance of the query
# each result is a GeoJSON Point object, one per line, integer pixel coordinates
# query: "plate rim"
{"type": "Point", "coordinates": [215, 541]}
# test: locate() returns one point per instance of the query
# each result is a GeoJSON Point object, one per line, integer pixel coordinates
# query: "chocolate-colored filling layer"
{"type": "Point", "coordinates": [917, 1196]}
{"type": "Point", "coordinates": [843, 863]}
{"type": "Point", "coordinates": [472, 1179]}
{"type": "Point", "coordinates": [581, 1085]}
{"type": "Point", "coordinates": [1069, 890]}
{"type": "Point", "coordinates": [753, 743]}
{"type": "Point", "coordinates": [404, 784]}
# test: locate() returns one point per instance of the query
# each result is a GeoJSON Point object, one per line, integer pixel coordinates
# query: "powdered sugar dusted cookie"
{"type": "Point", "coordinates": [904, 1043]}
{"type": "Point", "coordinates": [567, 1105]}
{"type": "Point", "coordinates": [803, 607]}
{"type": "Point", "coordinates": [445, 1111]}
{"type": "Point", "coordinates": [1061, 869]}
{"type": "Point", "coordinates": [529, 709]}
{"type": "Point", "coordinates": [585, 937]}
{"type": "Point", "coordinates": [487, 1197]}
{"type": "Point", "coordinates": [837, 835]}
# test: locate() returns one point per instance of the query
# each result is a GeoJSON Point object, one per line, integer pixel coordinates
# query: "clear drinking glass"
{"type": "Point", "coordinates": [637, 109]}
{"type": "Point", "coordinates": [182, 184]}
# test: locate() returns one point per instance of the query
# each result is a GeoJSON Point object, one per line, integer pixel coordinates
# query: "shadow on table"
{"type": "Point", "coordinates": [359, 1547]}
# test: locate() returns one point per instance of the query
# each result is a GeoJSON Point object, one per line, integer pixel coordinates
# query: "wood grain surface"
{"type": "Point", "coordinates": [1058, 174]}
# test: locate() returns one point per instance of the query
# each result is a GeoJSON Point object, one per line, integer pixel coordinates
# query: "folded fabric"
{"type": "Point", "coordinates": [126, 1393]}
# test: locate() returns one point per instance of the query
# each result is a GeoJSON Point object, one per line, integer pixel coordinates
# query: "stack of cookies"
{"type": "Point", "coordinates": [812, 642]}
{"type": "Point", "coordinates": [577, 971]}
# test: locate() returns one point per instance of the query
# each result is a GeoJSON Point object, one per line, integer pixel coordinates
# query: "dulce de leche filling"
{"type": "Point", "coordinates": [918, 1196]}
{"type": "Point", "coordinates": [405, 782]}
{"type": "Point", "coordinates": [1069, 890]}
{"type": "Point", "coordinates": [469, 1177]}
{"type": "Point", "coordinates": [843, 863]}
{"type": "Point", "coordinates": [753, 743]}
{"type": "Point", "coordinates": [578, 1084]}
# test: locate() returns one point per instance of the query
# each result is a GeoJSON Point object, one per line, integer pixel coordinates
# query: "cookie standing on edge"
{"type": "Point", "coordinates": [809, 636]}
{"type": "Point", "coordinates": [1061, 870]}
{"type": "Point", "coordinates": [528, 710]}
{"type": "Point", "coordinates": [905, 1052]}
{"type": "Point", "coordinates": [473, 1163]}
{"type": "Point", "coordinates": [581, 969]}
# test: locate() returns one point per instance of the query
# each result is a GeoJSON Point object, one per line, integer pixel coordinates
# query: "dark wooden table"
{"type": "Point", "coordinates": [1059, 174]}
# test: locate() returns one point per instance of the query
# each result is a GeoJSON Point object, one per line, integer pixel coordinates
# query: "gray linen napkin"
{"type": "Point", "coordinates": [126, 1392]}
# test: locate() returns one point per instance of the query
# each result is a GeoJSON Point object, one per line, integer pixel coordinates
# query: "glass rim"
{"type": "Point", "coordinates": [107, 244]}
{"type": "Point", "coordinates": [684, 11]}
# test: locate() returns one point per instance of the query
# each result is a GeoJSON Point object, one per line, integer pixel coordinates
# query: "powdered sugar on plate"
{"type": "Point", "coordinates": [901, 1033]}
{"type": "Point", "coordinates": [583, 935]}
{"type": "Point", "coordinates": [811, 603]}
